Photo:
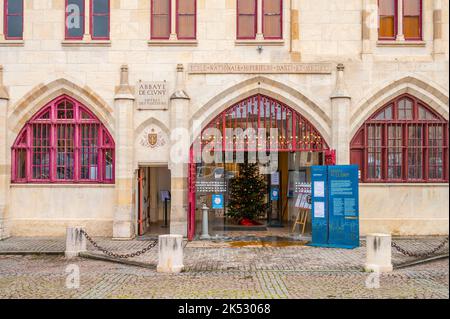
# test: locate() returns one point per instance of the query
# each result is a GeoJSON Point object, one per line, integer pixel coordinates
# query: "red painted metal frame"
{"type": "Point", "coordinates": [296, 123]}
{"type": "Point", "coordinates": [5, 20]}
{"type": "Point", "coordinates": [420, 38]}
{"type": "Point", "coordinates": [404, 124]}
{"type": "Point", "coordinates": [195, 22]}
{"type": "Point", "coordinates": [82, 15]}
{"type": "Point", "coordinates": [395, 23]}
{"type": "Point", "coordinates": [255, 22]}
{"type": "Point", "coordinates": [101, 147]}
{"type": "Point", "coordinates": [281, 21]}
{"type": "Point", "coordinates": [91, 22]}
{"type": "Point", "coordinates": [152, 21]}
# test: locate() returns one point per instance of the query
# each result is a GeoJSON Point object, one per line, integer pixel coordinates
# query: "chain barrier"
{"type": "Point", "coordinates": [420, 255]}
{"type": "Point", "coordinates": [121, 256]}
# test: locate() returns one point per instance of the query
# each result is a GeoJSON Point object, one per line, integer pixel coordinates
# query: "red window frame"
{"type": "Point", "coordinates": [420, 147]}
{"type": "Point", "coordinates": [6, 15]}
{"type": "Point", "coordinates": [195, 22]}
{"type": "Point", "coordinates": [66, 153]}
{"type": "Point", "coordinates": [152, 21]}
{"type": "Point", "coordinates": [395, 23]}
{"type": "Point", "coordinates": [255, 18]}
{"type": "Point", "coordinates": [420, 37]}
{"type": "Point", "coordinates": [91, 22]}
{"type": "Point", "coordinates": [66, 15]}
{"type": "Point", "coordinates": [281, 22]}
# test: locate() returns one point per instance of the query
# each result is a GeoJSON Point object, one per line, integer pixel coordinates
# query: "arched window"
{"type": "Point", "coordinates": [403, 142]}
{"type": "Point", "coordinates": [63, 143]}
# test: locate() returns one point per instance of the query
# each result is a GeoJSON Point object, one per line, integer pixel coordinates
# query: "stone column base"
{"type": "Point", "coordinates": [123, 230]}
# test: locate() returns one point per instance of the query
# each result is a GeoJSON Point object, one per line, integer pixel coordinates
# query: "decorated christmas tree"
{"type": "Point", "coordinates": [246, 197]}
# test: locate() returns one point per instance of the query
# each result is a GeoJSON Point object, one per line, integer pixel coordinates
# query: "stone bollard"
{"type": "Point", "coordinates": [205, 223]}
{"type": "Point", "coordinates": [379, 253]}
{"type": "Point", "coordinates": [75, 242]}
{"type": "Point", "coordinates": [170, 254]}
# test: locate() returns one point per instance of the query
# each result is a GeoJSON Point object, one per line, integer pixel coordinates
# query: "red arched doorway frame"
{"type": "Point", "coordinates": [295, 134]}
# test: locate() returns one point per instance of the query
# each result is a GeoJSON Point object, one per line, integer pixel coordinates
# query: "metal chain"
{"type": "Point", "coordinates": [419, 255]}
{"type": "Point", "coordinates": [121, 256]}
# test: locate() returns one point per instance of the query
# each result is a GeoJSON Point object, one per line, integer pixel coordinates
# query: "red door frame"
{"type": "Point", "coordinates": [297, 124]}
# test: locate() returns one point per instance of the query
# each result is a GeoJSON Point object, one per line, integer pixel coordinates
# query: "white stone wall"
{"type": "Point", "coordinates": [323, 31]}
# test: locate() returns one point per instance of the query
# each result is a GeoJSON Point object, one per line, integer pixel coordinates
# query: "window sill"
{"type": "Point", "coordinates": [259, 42]}
{"type": "Point", "coordinates": [12, 43]}
{"type": "Point", "coordinates": [401, 43]}
{"type": "Point", "coordinates": [56, 185]}
{"type": "Point", "coordinates": [400, 184]}
{"type": "Point", "coordinates": [82, 43]}
{"type": "Point", "coordinates": [168, 43]}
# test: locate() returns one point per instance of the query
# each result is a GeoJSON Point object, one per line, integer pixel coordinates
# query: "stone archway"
{"type": "Point", "coordinates": [294, 133]}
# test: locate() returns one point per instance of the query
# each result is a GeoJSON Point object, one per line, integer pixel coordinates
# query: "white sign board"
{"type": "Point", "coordinates": [152, 95]}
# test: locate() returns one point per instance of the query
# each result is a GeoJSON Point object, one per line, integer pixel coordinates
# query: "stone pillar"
{"type": "Point", "coordinates": [179, 155]}
{"type": "Point", "coordinates": [5, 166]}
{"type": "Point", "coordinates": [75, 242]}
{"type": "Point", "coordinates": [259, 24]}
{"type": "Point", "coordinates": [369, 28]}
{"type": "Point", "coordinates": [340, 110]}
{"type": "Point", "coordinates": [170, 254]}
{"type": "Point", "coordinates": [400, 35]}
{"type": "Point", "coordinates": [173, 21]}
{"type": "Point", "coordinates": [124, 221]}
{"type": "Point", "coordinates": [438, 30]}
{"type": "Point", "coordinates": [379, 253]}
{"type": "Point", "coordinates": [87, 19]}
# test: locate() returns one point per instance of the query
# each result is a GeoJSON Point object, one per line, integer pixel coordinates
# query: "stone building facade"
{"type": "Point", "coordinates": [329, 65]}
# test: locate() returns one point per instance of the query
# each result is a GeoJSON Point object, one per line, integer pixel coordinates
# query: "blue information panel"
{"type": "Point", "coordinates": [319, 206]}
{"type": "Point", "coordinates": [335, 206]}
{"type": "Point", "coordinates": [343, 200]}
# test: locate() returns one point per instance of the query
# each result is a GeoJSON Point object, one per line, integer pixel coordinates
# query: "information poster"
{"type": "Point", "coordinates": [335, 206]}
{"type": "Point", "coordinates": [343, 206]}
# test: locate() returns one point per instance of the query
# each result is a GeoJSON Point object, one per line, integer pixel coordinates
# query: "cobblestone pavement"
{"type": "Point", "coordinates": [219, 270]}
{"type": "Point", "coordinates": [45, 277]}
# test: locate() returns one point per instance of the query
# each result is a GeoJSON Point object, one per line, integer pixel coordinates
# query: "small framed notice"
{"type": "Point", "coordinates": [152, 95]}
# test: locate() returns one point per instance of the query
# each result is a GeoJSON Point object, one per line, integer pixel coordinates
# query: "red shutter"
{"type": "Point", "coordinates": [160, 15]}
{"type": "Point", "coordinates": [186, 19]}
{"type": "Point", "coordinates": [272, 19]}
{"type": "Point", "coordinates": [412, 19]}
{"type": "Point", "coordinates": [246, 19]}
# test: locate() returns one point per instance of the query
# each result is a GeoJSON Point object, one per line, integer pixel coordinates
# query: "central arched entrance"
{"type": "Point", "coordinates": [281, 144]}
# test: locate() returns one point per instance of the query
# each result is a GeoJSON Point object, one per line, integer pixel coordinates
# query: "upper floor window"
{"type": "Point", "coordinates": [184, 14]}
{"type": "Point", "coordinates": [247, 19]}
{"type": "Point", "coordinates": [100, 11]}
{"type": "Point", "coordinates": [186, 19]}
{"type": "Point", "coordinates": [13, 19]}
{"type": "Point", "coordinates": [400, 19]}
{"type": "Point", "coordinates": [272, 22]}
{"type": "Point", "coordinates": [161, 19]}
{"type": "Point", "coordinates": [403, 142]}
{"type": "Point", "coordinates": [271, 13]}
{"type": "Point", "coordinates": [75, 13]}
{"type": "Point", "coordinates": [63, 143]}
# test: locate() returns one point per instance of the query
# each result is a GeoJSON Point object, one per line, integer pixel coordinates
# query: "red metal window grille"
{"type": "Point", "coordinates": [74, 19]}
{"type": "Point", "coordinates": [246, 19]}
{"type": "Point", "coordinates": [160, 19]}
{"type": "Point", "coordinates": [13, 19]}
{"type": "Point", "coordinates": [100, 16]}
{"type": "Point", "coordinates": [186, 19]}
{"type": "Point", "coordinates": [405, 141]}
{"type": "Point", "coordinates": [63, 143]}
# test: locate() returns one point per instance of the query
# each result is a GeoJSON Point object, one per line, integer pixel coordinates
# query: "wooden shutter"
{"type": "Point", "coordinates": [246, 19]}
